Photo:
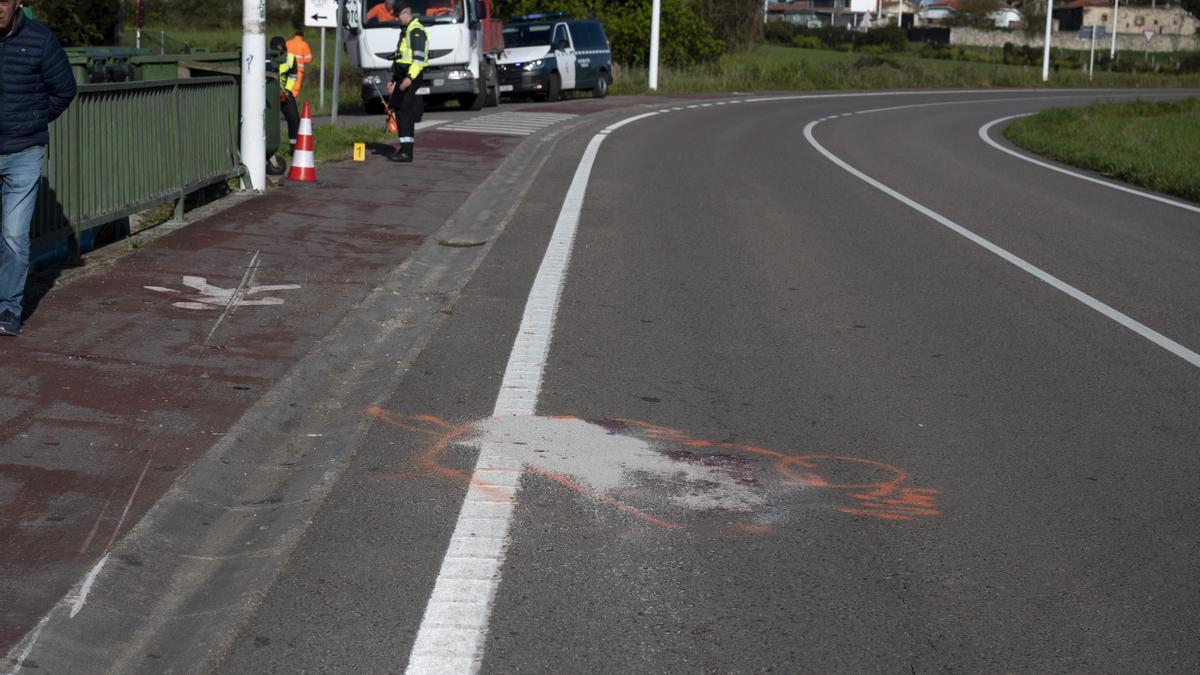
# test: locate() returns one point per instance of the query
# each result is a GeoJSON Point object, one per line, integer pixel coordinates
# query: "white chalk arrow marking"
{"type": "Point", "coordinates": [211, 297]}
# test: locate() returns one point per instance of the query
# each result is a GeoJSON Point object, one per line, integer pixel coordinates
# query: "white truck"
{"type": "Point", "coordinates": [464, 42]}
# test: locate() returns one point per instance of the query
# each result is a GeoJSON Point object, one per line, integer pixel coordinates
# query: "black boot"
{"type": "Point", "coordinates": [405, 154]}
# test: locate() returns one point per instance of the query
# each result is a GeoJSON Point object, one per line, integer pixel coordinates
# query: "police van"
{"type": "Point", "coordinates": [547, 54]}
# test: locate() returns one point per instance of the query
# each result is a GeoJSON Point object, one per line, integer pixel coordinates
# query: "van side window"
{"type": "Point", "coordinates": [560, 33]}
{"type": "Point", "coordinates": [584, 34]}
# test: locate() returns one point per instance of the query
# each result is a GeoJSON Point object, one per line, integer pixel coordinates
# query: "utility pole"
{"type": "Point", "coordinates": [1112, 54]}
{"type": "Point", "coordinates": [1046, 49]}
{"type": "Point", "coordinates": [337, 55]}
{"type": "Point", "coordinates": [656, 9]}
{"type": "Point", "coordinates": [254, 94]}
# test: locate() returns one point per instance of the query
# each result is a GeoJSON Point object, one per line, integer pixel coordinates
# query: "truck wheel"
{"type": "Point", "coordinates": [493, 86]}
{"type": "Point", "coordinates": [554, 89]}
{"type": "Point", "coordinates": [475, 102]}
{"type": "Point", "coordinates": [601, 88]}
{"type": "Point", "coordinates": [372, 105]}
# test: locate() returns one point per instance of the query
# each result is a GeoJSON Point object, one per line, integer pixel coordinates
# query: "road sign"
{"type": "Point", "coordinates": [1149, 34]}
{"type": "Point", "coordinates": [320, 13]}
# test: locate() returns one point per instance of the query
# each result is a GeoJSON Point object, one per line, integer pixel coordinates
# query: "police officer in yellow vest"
{"type": "Point", "coordinates": [289, 87]}
{"type": "Point", "coordinates": [412, 55]}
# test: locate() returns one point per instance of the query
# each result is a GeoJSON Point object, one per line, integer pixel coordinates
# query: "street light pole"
{"type": "Point", "coordinates": [655, 11]}
{"type": "Point", "coordinates": [1112, 54]}
{"type": "Point", "coordinates": [254, 94]}
{"type": "Point", "coordinates": [1046, 49]}
{"type": "Point", "coordinates": [337, 56]}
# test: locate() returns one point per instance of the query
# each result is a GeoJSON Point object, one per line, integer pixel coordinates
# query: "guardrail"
{"type": "Point", "coordinates": [125, 147]}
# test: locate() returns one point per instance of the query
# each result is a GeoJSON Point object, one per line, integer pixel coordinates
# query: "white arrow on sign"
{"type": "Point", "coordinates": [211, 297]}
{"type": "Point", "coordinates": [320, 13]}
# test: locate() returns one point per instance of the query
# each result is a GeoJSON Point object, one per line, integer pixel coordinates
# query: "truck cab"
{"type": "Point", "coordinates": [464, 41]}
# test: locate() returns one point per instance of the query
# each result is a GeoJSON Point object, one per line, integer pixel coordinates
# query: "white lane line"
{"type": "Point", "coordinates": [985, 135]}
{"type": "Point", "coordinates": [455, 624]}
{"type": "Point", "coordinates": [1153, 336]}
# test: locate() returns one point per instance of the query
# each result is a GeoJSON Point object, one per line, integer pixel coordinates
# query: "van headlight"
{"type": "Point", "coordinates": [372, 79]}
{"type": "Point", "coordinates": [534, 65]}
{"type": "Point", "coordinates": [459, 75]}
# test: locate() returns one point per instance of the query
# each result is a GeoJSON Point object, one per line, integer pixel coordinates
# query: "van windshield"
{"type": "Point", "coordinates": [382, 13]}
{"type": "Point", "coordinates": [532, 35]}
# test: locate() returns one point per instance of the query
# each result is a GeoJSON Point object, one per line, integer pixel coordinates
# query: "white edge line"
{"type": "Point", "coordinates": [454, 627]}
{"type": "Point", "coordinates": [984, 134]}
{"type": "Point", "coordinates": [1157, 338]}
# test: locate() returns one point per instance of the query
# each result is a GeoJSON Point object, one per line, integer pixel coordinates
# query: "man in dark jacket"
{"type": "Point", "coordinates": [36, 86]}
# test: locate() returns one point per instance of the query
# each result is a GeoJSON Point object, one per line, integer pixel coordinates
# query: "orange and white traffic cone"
{"type": "Point", "coordinates": [304, 168]}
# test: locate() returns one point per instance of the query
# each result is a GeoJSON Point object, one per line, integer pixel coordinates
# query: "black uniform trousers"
{"type": "Point", "coordinates": [292, 115]}
{"type": "Point", "coordinates": [408, 107]}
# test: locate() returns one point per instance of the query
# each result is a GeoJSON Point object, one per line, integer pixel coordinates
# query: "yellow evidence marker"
{"type": "Point", "coordinates": [360, 152]}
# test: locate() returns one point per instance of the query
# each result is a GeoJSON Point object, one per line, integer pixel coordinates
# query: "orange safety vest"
{"type": "Point", "coordinates": [303, 54]}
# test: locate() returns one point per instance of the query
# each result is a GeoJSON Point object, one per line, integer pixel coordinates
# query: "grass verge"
{"type": "Point", "coordinates": [776, 67]}
{"type": "Point", "coordinates": [332, 144]}
{"type": "Point", "coordinates": [1151, 144]}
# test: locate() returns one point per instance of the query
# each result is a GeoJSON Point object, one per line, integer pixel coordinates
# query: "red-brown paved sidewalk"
{"type": "Point", "coordinates": [112, 391]}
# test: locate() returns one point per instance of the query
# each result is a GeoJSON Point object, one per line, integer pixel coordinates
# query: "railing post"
{"type": "Point", "coordinates": [180, 182]}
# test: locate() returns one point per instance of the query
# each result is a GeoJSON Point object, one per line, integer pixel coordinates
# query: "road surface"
{"type": "Point", "coordinates": [794, 382]}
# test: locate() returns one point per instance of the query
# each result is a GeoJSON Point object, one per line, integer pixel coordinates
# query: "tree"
{"type": "Point", "coordinates": [78, 22]}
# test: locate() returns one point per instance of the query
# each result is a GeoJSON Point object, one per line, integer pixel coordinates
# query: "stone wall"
{"type": "Point", "coordinates": [1125, 41]}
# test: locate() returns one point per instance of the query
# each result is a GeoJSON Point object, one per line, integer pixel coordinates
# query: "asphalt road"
{"type": "Point", "coordinates": [787, 420]}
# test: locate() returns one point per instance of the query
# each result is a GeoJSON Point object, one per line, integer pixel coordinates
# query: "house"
{"type": "Point", "coordinates": [814, 13]}
{"type": "Point", "coordinates": [1165, 20]}
{"type": "Point", "coordinates": [938, 12]}
{"type": "Point", "coordinates": [1006, 17]}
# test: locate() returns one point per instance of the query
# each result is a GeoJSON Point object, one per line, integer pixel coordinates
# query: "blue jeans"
{"type": "Point", "coordinates": [20, 173]}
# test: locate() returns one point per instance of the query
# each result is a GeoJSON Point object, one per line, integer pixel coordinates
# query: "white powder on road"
{"type": "Point", "coordinates": [605, 461]}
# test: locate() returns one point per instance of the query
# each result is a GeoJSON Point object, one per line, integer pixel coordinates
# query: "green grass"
{"type": "Point", "coordinates": [230, 39]}
{"type": "Point", "coordinates": [1151, 144]}
{"type": "Point", "coordinates": [335, 143]}
{"type": "Point", "coordinates": [777, 67]}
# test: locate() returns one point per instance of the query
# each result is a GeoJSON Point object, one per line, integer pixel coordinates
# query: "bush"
{"type": "Point", "coordinates": [684, 37]}
{"type": "Point", "coordinates": [806, 42]}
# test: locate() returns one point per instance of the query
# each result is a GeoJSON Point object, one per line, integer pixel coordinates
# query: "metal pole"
{"type": "Point", "coordinates": [1112, 54]}
{"type": "Point", "coordinates": [254, 94]}
{"type": "Point", "coordinates": [655, 11]}
{"type": "Point", "coordinates": [337, 54]}
{"type": "Point", "coordinates": [1046, 49]}
{"type": "Point", "coordinates": [900, 13]}
{"type": "Point", "coordinates": [1092, 56]}
{"type": "Point", "coordinates": [322, 98]}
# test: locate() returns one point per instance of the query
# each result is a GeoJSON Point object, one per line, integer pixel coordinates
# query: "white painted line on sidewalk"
{"type": "Point", "coordinates": [986, 136]}
{"type": "Point", "coordinates": [455, 624]}
{"type": "Point", "coordinates": [1153, 336]}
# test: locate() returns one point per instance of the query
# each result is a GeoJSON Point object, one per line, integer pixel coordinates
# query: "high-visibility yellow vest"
{"type": "Point", "coordinates": [406, 56]}
{"type": "Point", "coordinates": [288, 70]}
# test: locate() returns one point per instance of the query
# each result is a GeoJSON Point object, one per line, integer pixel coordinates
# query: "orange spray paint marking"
{"type": "Point", "coordinates": [882, 496]}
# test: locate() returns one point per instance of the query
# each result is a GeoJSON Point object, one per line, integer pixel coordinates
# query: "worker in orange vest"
{"type": "Point", "coordinates": [300, 49]}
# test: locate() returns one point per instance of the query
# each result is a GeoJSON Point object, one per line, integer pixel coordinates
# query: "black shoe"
{"type": "Point", "coordinates": [400, 157]}
{"type": "Point", "coordinates": [10, 324]}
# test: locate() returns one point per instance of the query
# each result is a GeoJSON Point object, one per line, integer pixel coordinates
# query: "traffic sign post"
{"type": "Point", "coordinates": [321, 14]}
{"type": "Point", "coordinates": [1149, 35]}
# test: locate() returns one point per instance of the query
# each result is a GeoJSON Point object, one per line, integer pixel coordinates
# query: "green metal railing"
{"type": "Point", "coordinates": [125, 147]}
